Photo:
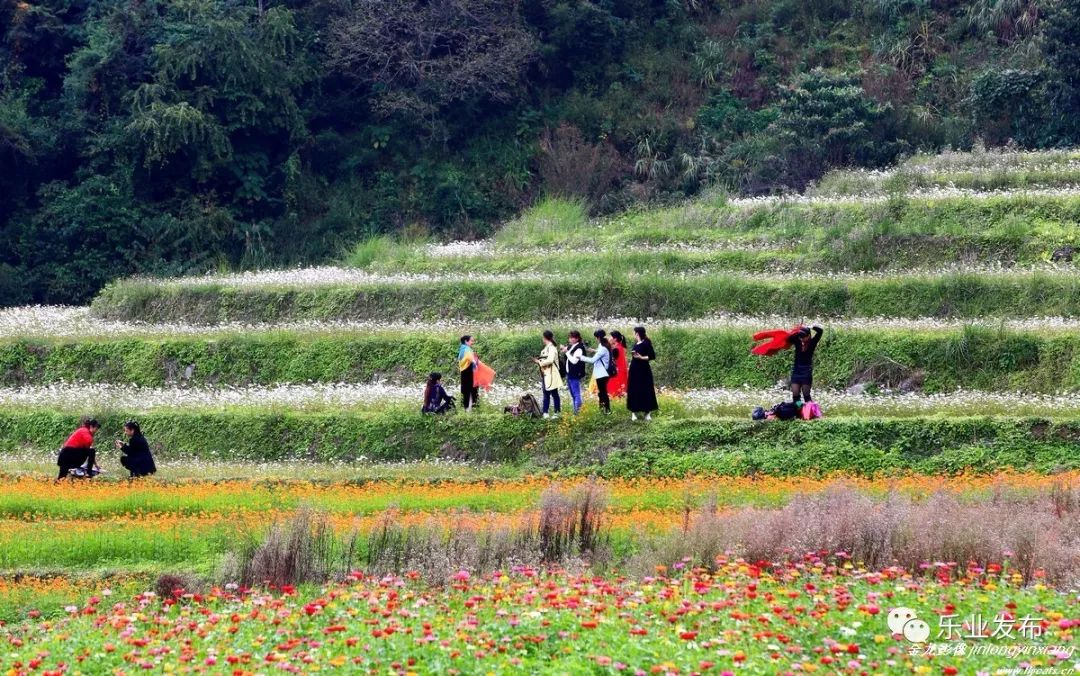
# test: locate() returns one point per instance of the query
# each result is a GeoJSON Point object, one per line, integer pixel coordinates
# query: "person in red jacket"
{"type": "Point", "coordinates": [79, 449]}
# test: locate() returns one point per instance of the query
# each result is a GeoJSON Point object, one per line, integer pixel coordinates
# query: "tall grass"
{"type": "Point", "coordinates": [1028, 535]}
{"type": "Point", "coordinates": [552, 220]}
{"type": "Point", "coordinates": [383, 251]}
{"type": "Point", "coordinates": [299, 550]}
{"type": "Point", "coordinates": [942, 534]}
{"type": "Point", "coordinates": [567, 530]}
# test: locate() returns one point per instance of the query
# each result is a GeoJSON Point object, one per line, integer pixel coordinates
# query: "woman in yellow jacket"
{"type": "Point", "coordinates": [550, 380]}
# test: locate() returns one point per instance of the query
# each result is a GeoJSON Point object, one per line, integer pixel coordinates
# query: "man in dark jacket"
{"type": "Point", "coordinates": [136, 452]}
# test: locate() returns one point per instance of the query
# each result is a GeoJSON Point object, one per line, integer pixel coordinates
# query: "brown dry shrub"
{"type": "Point", "coordinates": [571, 166]}
{"type": "Point", "coordinates": [301, 549]}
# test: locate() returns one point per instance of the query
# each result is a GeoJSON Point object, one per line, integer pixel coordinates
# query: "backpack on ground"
{"type": "Point", "coordinates": [526, 406]}
{"type": "Point", "coordinates": [529, 406]}
{"type": "Point", "coordinates": [786, 410]}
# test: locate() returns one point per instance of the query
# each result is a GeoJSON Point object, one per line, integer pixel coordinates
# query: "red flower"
{"type": "Point", "coordinates": [688, 635]}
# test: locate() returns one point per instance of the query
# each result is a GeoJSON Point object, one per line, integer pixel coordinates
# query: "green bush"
{"type": "Point", "coordinates": [590, 443]}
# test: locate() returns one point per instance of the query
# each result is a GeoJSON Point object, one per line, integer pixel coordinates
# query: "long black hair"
{"type": "Point", "coordinates": [619, 338]}
{"type": "Point", "coordinates": [433, 379]}
{"type": "Point", "coordinates": [133, 426]}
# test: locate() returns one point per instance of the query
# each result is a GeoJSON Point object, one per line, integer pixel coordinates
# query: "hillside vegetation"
{"type": "Point", "coordinates": [173, 137]}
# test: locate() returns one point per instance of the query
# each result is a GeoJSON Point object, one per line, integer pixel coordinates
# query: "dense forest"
{"type": "Point", "coordinates": [160, 136]}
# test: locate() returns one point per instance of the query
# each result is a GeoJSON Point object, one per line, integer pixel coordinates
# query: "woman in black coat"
{"type": "Point", "coordinates": [640, 390]}
{"type": "Point", "coordinates": [136, 452]}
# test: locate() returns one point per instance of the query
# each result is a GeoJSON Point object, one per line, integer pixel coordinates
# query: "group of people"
{"type": "Point", "coordinates": [613, 373]}
{"type": "Point", "coordinates": [617, 370]}
{"type": "Point", "coordinates": [78, 457]}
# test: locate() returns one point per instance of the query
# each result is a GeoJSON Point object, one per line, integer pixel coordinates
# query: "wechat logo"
{"type": "Point", "coordinates": [904, 621]}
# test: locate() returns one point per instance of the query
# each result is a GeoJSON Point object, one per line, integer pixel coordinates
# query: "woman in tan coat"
{"type": "Point", "coordinates": [550, 380]}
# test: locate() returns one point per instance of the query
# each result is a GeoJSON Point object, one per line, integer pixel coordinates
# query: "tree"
{"type": "Point", "coordinates": [419, 57]}
{"type": "Point", "coordinates": [826, 119]}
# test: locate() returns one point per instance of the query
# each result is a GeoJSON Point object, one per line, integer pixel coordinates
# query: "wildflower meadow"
{"type": "Point", "coordinates": [306, 516]}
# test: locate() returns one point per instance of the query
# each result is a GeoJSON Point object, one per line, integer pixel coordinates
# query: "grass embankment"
{"type": "Point", "coordinates": [928, 178]}
{"type": "Point", "coordinates": [949, 294]}
{"type": "Point", "coordinates": [609, 447]}
{"type": "Point", "coordinates": [712, 236]}
{"type": "Point", "coordinates": [973, 358]}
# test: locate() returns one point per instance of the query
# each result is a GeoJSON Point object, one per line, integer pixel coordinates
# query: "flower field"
{"type": "Point", "coordinates": [305, 517]}
{"type": "Point", "coordinates": [742, 617]}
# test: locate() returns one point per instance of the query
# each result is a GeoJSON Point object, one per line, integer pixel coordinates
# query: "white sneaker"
{"type": "Point", "coordinates": [648, 416]}
{"type": "Point", "coordinates": [633, 416]}
{"type": "Point", "coordinates": [546, 415]}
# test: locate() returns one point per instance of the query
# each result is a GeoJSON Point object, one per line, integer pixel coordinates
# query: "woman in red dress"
{"type": "Point", "coordinates": [617, 384]}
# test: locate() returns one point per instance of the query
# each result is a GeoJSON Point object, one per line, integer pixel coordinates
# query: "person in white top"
{"type": "Point", "coordinates": [550, 380]}
{"type": "Point", "coordinates": [601, 361]}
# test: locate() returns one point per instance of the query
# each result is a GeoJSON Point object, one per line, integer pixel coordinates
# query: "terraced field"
{"type": "Point", "coordinates": [948, 453]}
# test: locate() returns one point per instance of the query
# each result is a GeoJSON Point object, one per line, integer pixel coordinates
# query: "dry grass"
{"type": "Point", "coordinates": [302, 549]}
{"type": "Point", "coordinates": [1036, 535]}
{"type": "Point", "coordinates": [1029, 534]}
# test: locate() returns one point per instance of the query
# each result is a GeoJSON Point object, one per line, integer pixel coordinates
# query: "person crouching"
{"type": "Point", "coordinates": [79, 450]}
{"type": "Point", "coordinates": [136, 456]}
{"type": "Point", "coordinates": [436, 400]}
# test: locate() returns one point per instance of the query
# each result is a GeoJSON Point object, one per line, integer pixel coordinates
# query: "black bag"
{"type": "Point", "coordinates": [561, 361]}
{"type": "Point", "coordinates": [613, 364]}
{"type": "Point", "coordinates": [786, 410]}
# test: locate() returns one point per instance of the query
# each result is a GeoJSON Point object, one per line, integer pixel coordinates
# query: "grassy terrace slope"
{"type": "Point", "coordinates": [801, 234]}
{"type": "Point", "coordinates": [332, 293]}
{"type": "Point", "coordinates": [975, 171]}
{"type": "Point", "coordinates": [1035, 359]}
{"type": "Point", "coordinates": [609, 447]}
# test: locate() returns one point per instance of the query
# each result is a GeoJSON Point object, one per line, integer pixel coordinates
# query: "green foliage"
{"type": "Point", "coordinates": [1010, 104]}
{"type": "Point", "coordinates": [980, 359]}
{"type": "Point", "coordinates": [592, 443]}
{"type": "Point", "coordinates": [1061, 46]}
{"type": "Point", "coordinates": [195, 135]}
